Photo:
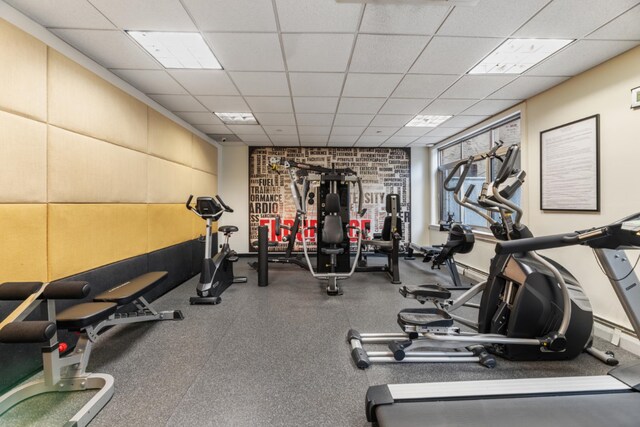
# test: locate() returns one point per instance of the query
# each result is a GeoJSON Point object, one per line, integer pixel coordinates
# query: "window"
{"type": "Point", "coordinates": [507, 131]}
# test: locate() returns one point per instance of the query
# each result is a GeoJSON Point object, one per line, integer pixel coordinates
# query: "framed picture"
{"type": "Point", "coordinates": [570, 166]}
{"type": "Point", "coordinates": [635, 97]}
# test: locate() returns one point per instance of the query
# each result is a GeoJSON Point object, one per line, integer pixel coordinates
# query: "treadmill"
{"type": "Point", "coordinates": [612, 399]}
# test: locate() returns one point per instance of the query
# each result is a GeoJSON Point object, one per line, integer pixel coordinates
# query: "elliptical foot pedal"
{"type": "Point", "coordinates": [205, 300]}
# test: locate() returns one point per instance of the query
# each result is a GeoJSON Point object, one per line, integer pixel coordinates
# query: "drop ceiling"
{"type": "Point", "coordinates": [319, 72]}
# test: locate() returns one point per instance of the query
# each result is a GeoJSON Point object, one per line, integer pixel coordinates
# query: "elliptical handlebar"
{"type": "Point", "coordinates": [224, 206]}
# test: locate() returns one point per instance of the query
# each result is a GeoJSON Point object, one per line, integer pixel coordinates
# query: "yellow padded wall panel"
{"type": "Point", "coordinates": [169, 225]}
{"type": "Point", "coordinates": [86, 170]}
{"type": "Point", "coordinates": [23, 245]}
{"type": "Point", "coordinates": [23, 74]}
{"type": "Point", "coordinates": [23, 159]}
{"type": "Point", "coordinates": [83, 102]}
{"type": "Point", "coordinates": [86, 236]}
{"type": "Point", "coordinates": [168, 140]}
{"type": "Point", "coordinates": [205, 156]}
{"type": "Point", "coordinates": [169, 182]}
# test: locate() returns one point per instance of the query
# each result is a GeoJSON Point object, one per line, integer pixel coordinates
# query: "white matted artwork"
{"type": "Point", "coordinates": [570, 166]}
{"type": "Point", "coordinates": [635, 97]}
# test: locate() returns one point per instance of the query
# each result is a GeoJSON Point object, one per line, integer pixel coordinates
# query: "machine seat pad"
{"type": "Point", "coordinates": [432, 291]}
{"type": "Point", "coordinates": [82, 315]}
{"type": "Point", "coordinates": [129, 291]}
{"type": "Point", "coordinates": [425, 318]}
{"type": "Point", "coordinates": [329, 251]}
{"type": "Point", "coordinates": [227, 229]}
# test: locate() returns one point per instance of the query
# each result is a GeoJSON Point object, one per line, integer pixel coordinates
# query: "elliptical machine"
{"type": "Point", "coordinates": [217, 271]}
{"type": "Point", "coordinates": [531, 307]}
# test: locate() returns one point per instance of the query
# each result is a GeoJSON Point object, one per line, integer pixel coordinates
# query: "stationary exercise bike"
{"type": "Point", "coordinates": [217, 271]}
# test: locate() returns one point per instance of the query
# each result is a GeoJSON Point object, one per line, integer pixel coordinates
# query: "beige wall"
{"type": "Point", "coordinates": [89, 175]}
{"type": "Point", "coordinates": [603, 90]}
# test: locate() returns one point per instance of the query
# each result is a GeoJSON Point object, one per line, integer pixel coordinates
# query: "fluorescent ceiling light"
{"type": "Point", "coordinates": [177, 50]}
{"type": "Point", "coordinates": [237, 118]}
{"type": "Point", "coordinates": [515, 56]}
{"type": "Point", "coordinates": [427, 121]}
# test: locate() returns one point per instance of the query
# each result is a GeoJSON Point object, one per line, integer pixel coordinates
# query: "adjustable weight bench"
{"type": "Point", "coordinates": [68, 373]}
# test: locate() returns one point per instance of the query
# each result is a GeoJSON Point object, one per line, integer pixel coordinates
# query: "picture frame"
{"type": "Point", "coordinates": [635, 97]}
{"type": "Point", "coordinates": [570, 166]}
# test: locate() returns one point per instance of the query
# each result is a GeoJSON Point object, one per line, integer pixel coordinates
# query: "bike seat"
{"type": "Point", "coordinates": [227, 229]}
{"type": "Point", "coordinates": [425, 292]}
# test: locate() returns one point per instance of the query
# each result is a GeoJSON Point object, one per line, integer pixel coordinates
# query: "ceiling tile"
{"type": "Point", "coordinates": [448, 107]}
{"type": "Point", "coordinates": [624, 27]}
{"type": "Point", "coordinates": [340, 144]}
{"type": "Point", "coordinates": [314, 130]}
{"type": "Point", "coordinates": [423, 85]}
{"type": "Point", "coordinates": [199, 118]}
{"type": "Point", "coordinates": [218, 129]}
{"type": "Point", "coordinates": [318, 16]}
{"type": "Point", "coordinates": [111, 49]}
{"type": "Point", "coordinates": [205, 82]}
{"type": "Point", "coordinates": [490, 18]}
{"type": "Point", "coordinates": [445, 132]}
{"type": "Point", "coordinates": [573, 18]}
{"type": "Point", "coordinates": [429, 140]}
{"type": "Point", "coordinates": [179, 102]}
{"type": "Point", "coordinates": [403, 106]}
{"type": "Point", "coordinates": [261, 84]}
{"type": "Point", "coordinates": [259, 143]}
{"type": "Point", "coordinates": [463, 121]}
{"type": "Point", "coordinates": [314, 119]}
{"type": "Point", "coordinates": [62, 13]}
{"type": "Point", "coordinates": [285, 140]}
{"type": "Point", "coordinates": [401, 140]}
{"type": "Point", "coordinates": [353, 119]}
{"type": "Point", "coordinates": [269, 104]}
{"type": "Point", "coordinates": [254, 138]}
{"type": "Point", "coordinates": [398, 144]}
{"type": "Point", "coordinates": [380, 131]}
{"type": "Point", "coordinates": [372, 139]}
{"type": "Point", "coordinates": [146, 15]}
{"type": "Point", "coordinates": [246, 129]}
{"type": "Point", "coordinates": [453, 55]}
{"type": "Point", "coordinates": [524, 87]}
{"type": "Point", "coordinates": [360, 105]}
{"type": "Point", "coordinates": [280, 130]}
{"type": "Point", "coordinates": [580, 56]}
{"type": "Point", "coordinates": [477, 86]}
{"type": "Point", "coordinates": [370, 85]}
{"type": "Point", "coordinates": [348, 130]}
{"type": "Point", "coordinates": [314, 139]}
{"type": "Point", "coordinates": [151, 81]}
{"type": "Point", "coordinates": [386, 54]}
{"type": "Point", "coordinates": [224, 104]}
{"type": "Point", "coordinates": [316, 84]}
{"type": "Point", "coordinates": [232, 15]}
{"type": "Point", "coordinates": [247, 52]}
{"type": "Point", "coordinates": [276, 119]}
{"type": "Point", "coordinates": [230, 143]}
{"type": "Point", "coordinates": [395, 120]}
{"type": "Point", "coordinates": [412, 131]}
{"type": "Point", "coordinates": [343, 139]}
{"type": "Point", "coordinates": [402, 18]}
{"type": "Point", "coordinates": [310, 104]}
{"type": "Point", "coordinates": [317, 52]}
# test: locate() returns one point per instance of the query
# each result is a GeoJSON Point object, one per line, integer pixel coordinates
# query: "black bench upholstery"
{"type": "Point", "coordinates": [82, 315]}
{"type": "Point", "coordinates": [131, 290]}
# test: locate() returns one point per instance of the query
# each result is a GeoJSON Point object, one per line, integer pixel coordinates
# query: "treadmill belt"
{"type": "Point", "coordinates": [592, 410]}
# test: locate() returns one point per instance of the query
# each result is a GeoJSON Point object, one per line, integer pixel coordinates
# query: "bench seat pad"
{"type": "Point", "coordinates": [82, 315]}
{"type": "Point", "coordinates": [129, 291]}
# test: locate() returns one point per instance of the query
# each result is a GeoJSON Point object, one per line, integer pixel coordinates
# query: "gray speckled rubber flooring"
{"type": "Point", "coordinates": [273, 356]}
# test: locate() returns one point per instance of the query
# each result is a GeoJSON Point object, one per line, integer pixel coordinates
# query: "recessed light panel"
{"type": "Point", "coordinates": [237, 118]}
{"type": "Point", "coordinates": [177, 50]}
{"type": "Point", "coordinates": [515, 56]}
{"type": "Point", "coordinates": [427, 121]}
